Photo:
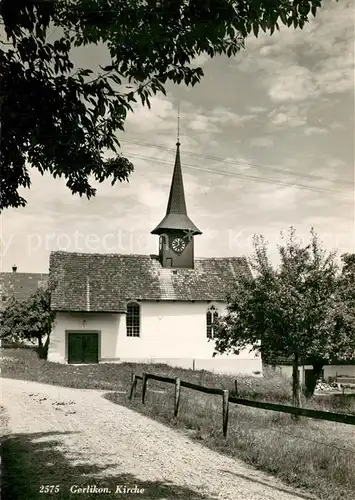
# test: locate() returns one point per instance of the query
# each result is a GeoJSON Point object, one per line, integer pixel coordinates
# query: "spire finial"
{"type": "Point", "coordinates": [178, 125]}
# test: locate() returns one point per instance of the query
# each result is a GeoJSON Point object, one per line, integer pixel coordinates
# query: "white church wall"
{"type": "Point", "coordinates": [175, 333]}
{"type": "Point", "coordinates": [171, 332]}
{"type": "Point", "coordinates": [107, 324]}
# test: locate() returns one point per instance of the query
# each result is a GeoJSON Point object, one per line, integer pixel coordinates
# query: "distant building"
{"type": "Point", "coordinates": [146, 308]}
{"type": "Point", "coordinates": [336, 369]}
{"type": "Point", "coordinates": [19, 285]}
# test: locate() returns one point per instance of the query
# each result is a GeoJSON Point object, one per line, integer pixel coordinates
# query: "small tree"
{"type": "Point", "coordinates": [302, 310]}
{"type": "Point", "coordinates": [28, 320]}
{"type": "Point", "coordinates": [342, 315]}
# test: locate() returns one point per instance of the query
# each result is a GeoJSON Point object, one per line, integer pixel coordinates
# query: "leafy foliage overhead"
{"type": "Point", "coordinates": [63, 120]}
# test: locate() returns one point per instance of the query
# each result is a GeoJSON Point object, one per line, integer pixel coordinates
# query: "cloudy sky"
{"type": "Point", "coordinates": [267, 141]}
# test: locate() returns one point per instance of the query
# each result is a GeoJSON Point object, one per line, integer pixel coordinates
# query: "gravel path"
{"type": "Point", "coordinates": [94, 441]}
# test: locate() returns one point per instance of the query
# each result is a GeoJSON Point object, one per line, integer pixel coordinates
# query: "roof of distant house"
{"type": "Point", "coordinates": [19, 285]}
{"type": "Point", "coordinates": [105, 282]}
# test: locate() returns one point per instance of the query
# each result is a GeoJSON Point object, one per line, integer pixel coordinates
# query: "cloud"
{"type": "Point", "coordinates": [201, 123]}
{"type": "Point", "coordinates": [315, 131]}
{"type": "Point", "coordinates": [200, 60]}
{"type": "Point", "coordinates": [335, 162]}
{"type": "Point", "coordinates": [337, 126]}
{"type": "Point", "coordinates": [291, 116]}
{"type": "Point", "coordinates": [280, 199]}
{"type": "Point", "coordinates": [263, 142]}
{"type": "Point", "coordinates": [193, 185]}
{"type": "Point", "coordinates": [226, 117]}
{"type": "Point", "coordinates": [162, 116]}
{"type": "Point", "coordinates": [326, 45]}
{"type": "Point", "coordinates": [214, 121]}
{"type": "Point", "coordinates": [257, 109]}
{"type": "Point", "coordinates": [336, 74]}
{"type": "Point", "coordinates": [295, 83]}
{"type": "Point", "coordinates": [148, 195]}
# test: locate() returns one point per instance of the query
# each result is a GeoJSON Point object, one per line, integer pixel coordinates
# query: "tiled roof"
{"type": "Point", "coordinates": [104, 282]}
{"type": "Point", "coordinates": [19, 285]}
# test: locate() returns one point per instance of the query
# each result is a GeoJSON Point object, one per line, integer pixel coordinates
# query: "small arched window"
{"type": "Point", "coordinates": [211, 318]}
{"type": "Point", "coordinates": [133, 319]}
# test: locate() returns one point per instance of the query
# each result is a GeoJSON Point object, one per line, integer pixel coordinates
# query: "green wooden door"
{"type": "Point", "coordinates": [91, 348]}
{"type": "Point", "coordinates": [83, 347]}
{"type": "Point", "coordinates": [75, 350]}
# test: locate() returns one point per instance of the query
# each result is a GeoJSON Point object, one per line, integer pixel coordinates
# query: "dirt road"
{"type": "Point", "coordinates": [75, 438]}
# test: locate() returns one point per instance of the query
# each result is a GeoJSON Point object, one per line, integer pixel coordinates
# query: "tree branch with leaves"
{"type": "Point", "coordinates": [64, 122]}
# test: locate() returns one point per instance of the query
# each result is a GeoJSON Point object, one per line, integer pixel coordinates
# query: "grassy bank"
{"type": "Point", "coordinates": [24, 364]}
{"type": "Point", "coordinates": [314, 455]}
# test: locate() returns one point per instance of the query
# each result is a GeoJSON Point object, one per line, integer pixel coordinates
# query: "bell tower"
{"type": "Point", "coordinates": [176, 231]}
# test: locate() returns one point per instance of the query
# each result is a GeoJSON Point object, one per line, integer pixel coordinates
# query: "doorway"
{"type": "Point", "coordinates": [83, 347]}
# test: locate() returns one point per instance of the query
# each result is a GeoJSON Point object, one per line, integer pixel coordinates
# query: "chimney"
{"type": "Point", "coordinates": [14, 269]}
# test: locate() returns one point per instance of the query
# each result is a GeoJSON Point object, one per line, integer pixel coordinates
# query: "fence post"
{"type": "Point", "coordinates": [225, 412]}
{"type": "Point", "coordinates": [133, 386]}
{"type": "Point", "coordinates": [236, 388]}
{"type": "Point", "coordinates": [144, 386]}
{"type": "Point", "coordinates": [177, 396]}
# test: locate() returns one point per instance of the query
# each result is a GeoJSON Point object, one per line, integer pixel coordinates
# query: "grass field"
{"type": "Point", "coordinates": [315, 455]}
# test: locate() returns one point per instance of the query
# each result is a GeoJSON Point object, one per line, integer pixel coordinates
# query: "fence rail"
{"type": "Point", "coordinates": [226, 399]}
{"type": "Point", "coordinates": [342, 418]}
{"type": "Point", "coordinates": [168, 380]}
{"type": "Point", "coordinates": [201, 388]}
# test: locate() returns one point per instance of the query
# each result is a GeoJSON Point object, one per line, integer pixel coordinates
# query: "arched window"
{"type": "Point", "coordinates": [133, 319]}
{"type": "Point", "coordinates": [211, 317]}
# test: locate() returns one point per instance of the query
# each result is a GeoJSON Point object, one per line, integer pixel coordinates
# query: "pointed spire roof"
{"type": "Point", "coordinates": [176, 213]}
{"type": "Point", "coordinates": [176, 203]}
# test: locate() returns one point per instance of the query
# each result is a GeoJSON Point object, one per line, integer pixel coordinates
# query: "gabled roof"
{"type": "Point", "coordinates": [105, 282]}
{"type": "Point", "coordinates": [176, 214]}
{"type": "Point", "coordinates": [19, 285]}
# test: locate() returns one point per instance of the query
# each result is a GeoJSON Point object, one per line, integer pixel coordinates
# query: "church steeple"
{"type": "Point", "coordinates": [176, 230]}
{"type": "Point", "coordinates": [176, 203]}
{"type": "Point", "coordinates": [176, 213]}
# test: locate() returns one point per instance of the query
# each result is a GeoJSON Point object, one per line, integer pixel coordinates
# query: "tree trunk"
{"type": "Point", "coordinates": [311, 382]}
{"type": "Point", "coordinates": [41, 349]}
{"type": "Point", "coordinates": [45, 348]}
{"type": "Point", "coordinates": [296, 392]}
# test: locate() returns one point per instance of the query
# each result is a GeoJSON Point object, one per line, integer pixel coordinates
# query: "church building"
{"type": "Point", "coordinates": [146, 308]}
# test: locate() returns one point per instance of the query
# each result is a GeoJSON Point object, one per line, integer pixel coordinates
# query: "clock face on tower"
{"type": "Point", "coordinates": [178, 245]}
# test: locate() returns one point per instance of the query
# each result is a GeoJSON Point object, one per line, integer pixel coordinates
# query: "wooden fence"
{"type": "Point", "coordinates": [226, 399]}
